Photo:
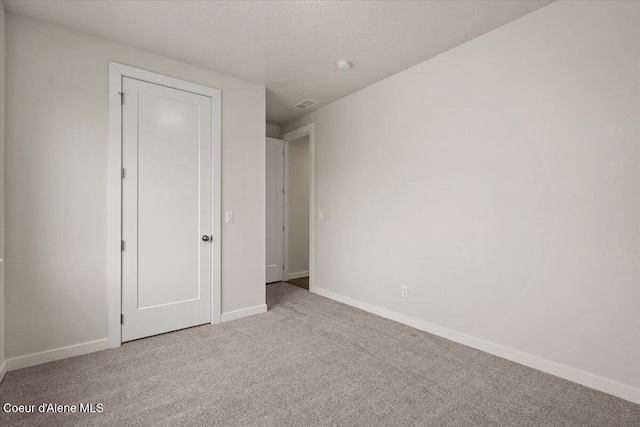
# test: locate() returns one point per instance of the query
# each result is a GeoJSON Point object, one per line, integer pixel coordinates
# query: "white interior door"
{"type": "Point", "coordinates": [275, 210]}
{"type": "Point", "coordinates": [166, 209]}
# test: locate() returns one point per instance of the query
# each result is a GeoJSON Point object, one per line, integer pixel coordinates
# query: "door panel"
{"type": "Point", "coordinates": [166, 209]}
{"type": "Point", "coordinates": [168, 150]}
{"type": "Point", "coordinates": [275, 210]}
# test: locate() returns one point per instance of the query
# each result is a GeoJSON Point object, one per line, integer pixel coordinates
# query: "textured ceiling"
{"type": "Point", "coordinates": [288, 46]}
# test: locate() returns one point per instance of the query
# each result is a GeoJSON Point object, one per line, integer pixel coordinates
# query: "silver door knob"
{"type": "Point", "coordinates": [206, 238]}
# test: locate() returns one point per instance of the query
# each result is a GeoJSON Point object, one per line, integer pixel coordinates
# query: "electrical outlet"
{"type": "Point", "coordinates": [404, 291]}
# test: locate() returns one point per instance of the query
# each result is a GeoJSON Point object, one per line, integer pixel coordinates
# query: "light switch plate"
{"type": "Point", "coordinates": [229, 217]}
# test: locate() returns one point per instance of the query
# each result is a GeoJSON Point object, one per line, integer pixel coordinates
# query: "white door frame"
{"type": "Point", "coordinates": [114, 230]}
{"type": "Point", "coordinates": [287, 137]}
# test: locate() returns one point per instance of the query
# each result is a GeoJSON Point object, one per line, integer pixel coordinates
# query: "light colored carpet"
{"type": "Point", "coordinates": [307, 361]}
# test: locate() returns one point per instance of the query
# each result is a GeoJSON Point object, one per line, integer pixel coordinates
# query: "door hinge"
{"type": "Point", "coordinates": [122, 244]}
{"type": "Point", "coordinates": [283, 228]}
{"type": "Point", "coordinates": [283, 191]}
{"type": "Point", "coordinates": [121, 98]}
{"type": "Point", "coordinates": [122, 319]}
{"type": "Point", "coordinates": [283, 266]}
{"type": "Point", "coordinates": [122, 173]}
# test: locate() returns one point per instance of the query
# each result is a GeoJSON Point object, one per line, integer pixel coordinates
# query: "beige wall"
{"type": "Point", "coordinates": [3, 38]}
{"type": "Point", "coordinates": [299, 206]}
{"type": "Point", "coordinates": [500, 182]}
{"type": "Point", "coordinates": [273, 131]}
{"type": "Point", "coordinates": [57, 183]}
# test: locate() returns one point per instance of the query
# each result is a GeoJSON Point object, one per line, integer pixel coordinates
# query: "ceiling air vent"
{"type": "Point", "coordinates": [306, 104]}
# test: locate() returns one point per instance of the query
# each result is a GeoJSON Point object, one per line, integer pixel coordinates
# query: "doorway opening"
{"type": "Point", "coordinates": [296, 236]}
{"type": "Point", "coordinates": [290, 208]}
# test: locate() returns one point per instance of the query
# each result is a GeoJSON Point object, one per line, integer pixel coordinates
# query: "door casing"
{"type": "Point", "coordinates": [114, 230]}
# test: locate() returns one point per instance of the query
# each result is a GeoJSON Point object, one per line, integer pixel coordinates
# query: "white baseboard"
{"type": "Point", "coordinates": [298, 275]}
{"type": "Point", "coordinates": [89, 347]}
{"type": "Point", "coordinates": [239, 314]}
{"type": "Point", "coordinates": [587, 379]}
{"type": "Point", "coordinates": [56, 354]}
{"type": "Point", "coordinates": [3, 370]}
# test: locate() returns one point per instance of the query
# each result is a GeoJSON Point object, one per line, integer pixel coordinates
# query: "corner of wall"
{"type": "Point", "coordinates": [298, 123]}
{"type": "Point", "coordinates": [273, 131]}
{"type": "Point", "coordinates": [3, 36]}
